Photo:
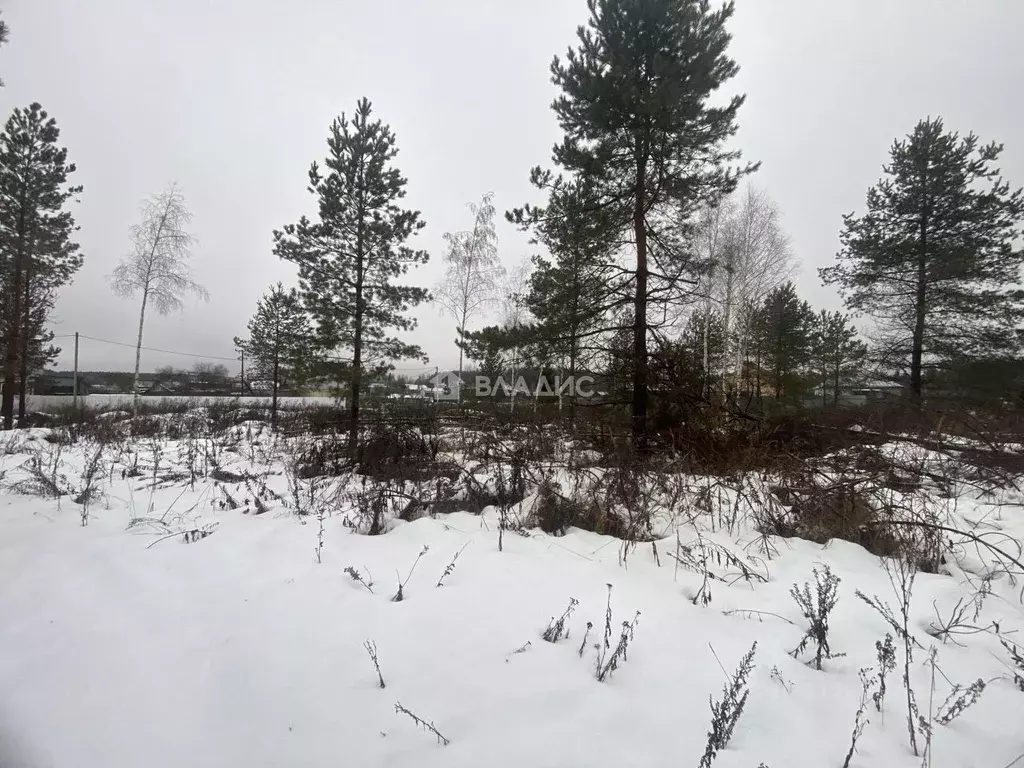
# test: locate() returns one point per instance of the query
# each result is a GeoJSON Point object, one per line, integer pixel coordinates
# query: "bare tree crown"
{"type": "Point", "coordinates": [472, 269]}
{"type": "Point", "coordinates": [158, 267]}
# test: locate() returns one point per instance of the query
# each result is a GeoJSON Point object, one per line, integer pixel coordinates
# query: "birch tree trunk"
{"type": "Point", "coordinates": [138, 354]}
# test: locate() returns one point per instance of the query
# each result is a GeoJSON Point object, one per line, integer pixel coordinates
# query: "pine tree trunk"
{"type": "Point", "coordinates": [917, 351]}
{"type": "Point", "coordinates": [25, 344]}
{"type": "Point", "coordinates": [573, 354]}
{"type": "Point", "coordinates": [705, 389]}
{"type": "Point", "coordinates": [356, 380]}
{"type": "Point", "coordinates": [639, 404]}
{"type": "Point", "coordinates": [357, 345]}
{"type": "Point", "coordinates": [778, 365]}
{"type": "Point", "coordinates": [276, 375]}
{"type": "Point", "coordinates": [138, 353]}
{"type": "Point", "coordinates": [273, 396]}
{"type": "Point", "coordinates": [11, 359]}
{"type": "Point", "coordinates": [14, 319]}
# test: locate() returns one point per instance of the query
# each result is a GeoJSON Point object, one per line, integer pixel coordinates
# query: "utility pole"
{"type": "Point", "coordinates": [242, 353]}
{"type": "Point", "coordinates": [74, 380]}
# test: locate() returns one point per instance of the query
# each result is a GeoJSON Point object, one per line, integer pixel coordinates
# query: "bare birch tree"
{"type": "Point", "coordinates": [472, 270]}
{"type": "Point", "coordinates": [764, 261]}
{"type": "Point", "coordinates": [157, 268]}
{"type": "Point", "coordinates": [712, 237]}
{"type": "Point", "coordinates": [749, 255]}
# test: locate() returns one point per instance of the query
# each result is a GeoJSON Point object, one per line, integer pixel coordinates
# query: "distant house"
{"type": "Point", "coordinates": [448, 385]}
{"type": "Point", "coordinates": [852, 394]}
{"type": "Point", "coordinates": [873, 392]}
{"type": "Point", "coordinates": [150, 386]}
{"type": "Point", "coordinates": [60, 384]}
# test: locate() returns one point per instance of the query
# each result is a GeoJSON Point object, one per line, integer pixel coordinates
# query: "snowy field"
{"type": "Point", "coordinates": [123, 645]}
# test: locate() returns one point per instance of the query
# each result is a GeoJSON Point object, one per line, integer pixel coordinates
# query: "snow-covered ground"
{"type": "Point", "coordinates": [122, 645]}
{"type": "Point", "coordinates": [46, 403]}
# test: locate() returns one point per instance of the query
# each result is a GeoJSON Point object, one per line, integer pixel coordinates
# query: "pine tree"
{"type": "Point", "coordinates": [642, 135]}
{"type": "Point", "coordinates": [351, 259]}
{"type": "Point", "coordinates": [37, 255]}
{"type": "Point", "coordinates": [572, 292]}
{"type": "Point", "coordinates": [783, 333]}
{"type": "Point", "coordinates": [37, 349]}
{"type": "Point", "coordinates": [836, 351]}
{"type": "Point", "coordinates": [933, 260]}
{"type": "Point", "coordinates": [281, 345]}
{"type": "Point", "coordinates": [499, 350]}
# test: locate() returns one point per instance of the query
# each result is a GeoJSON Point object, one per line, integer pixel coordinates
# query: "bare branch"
{"type": "Point", "coordinates": [157, 267]}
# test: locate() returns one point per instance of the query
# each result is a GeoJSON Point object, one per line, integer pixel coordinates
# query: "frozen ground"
{"type": "Point", "coordinates": [119, 647]}
{"type": "Point", "coordinates": [46, 403]}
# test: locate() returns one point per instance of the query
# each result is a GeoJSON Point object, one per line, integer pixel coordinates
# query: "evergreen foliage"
{"type": "Point", "coordinates": [646, 144]}
{"type": "Point", "coordinates": [37, 254]}
{"type": "Point", "coordinates": [782, 338]}
{"type": "Point", "coordinates": [570, 293]}
{"type": "Point", "coordinates": [351, 260]}
{"type": "Point", "coordinates": [281, 347]}
{"type": "Point", "coordinates": [934, 260]}
{"type": "Point", "coordinates": [837, 354]}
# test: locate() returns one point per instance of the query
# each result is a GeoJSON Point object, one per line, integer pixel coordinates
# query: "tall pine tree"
{"type": "Point", "coordinates": [351, 259]}
{"type": "Point", "coordinates": [573, 290]}
{"type": "Point", "coordinates": [641, 132]}
{"type": "Point", "coordinates": [37, 254]}
{"type": "Point", "coordinates": [281, 346]}
{"type": "Point", "coordinates": [934, 259]}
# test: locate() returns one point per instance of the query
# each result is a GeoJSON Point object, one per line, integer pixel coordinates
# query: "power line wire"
{"type": "Point", "coordinates": [163, 351]}
{"type": "Point", "coordinates": [336, 358]}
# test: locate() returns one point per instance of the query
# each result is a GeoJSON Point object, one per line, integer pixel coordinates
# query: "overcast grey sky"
{"type": "Point", "coordinates": [232, 99]}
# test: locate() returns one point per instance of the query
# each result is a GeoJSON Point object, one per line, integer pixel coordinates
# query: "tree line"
{"type": "Point", "coordinates": [660, 265]}
{"type": "Point", "coordinates": [39, 255]}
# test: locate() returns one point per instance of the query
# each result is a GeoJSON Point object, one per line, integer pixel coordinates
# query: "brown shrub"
{"type": "Point", "coordinates": [841, 511]}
